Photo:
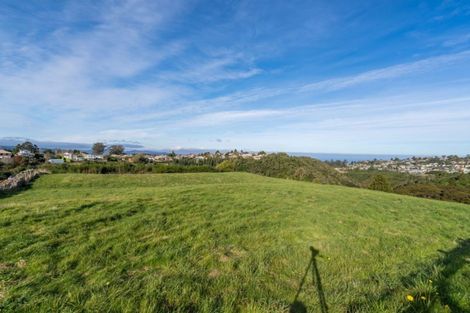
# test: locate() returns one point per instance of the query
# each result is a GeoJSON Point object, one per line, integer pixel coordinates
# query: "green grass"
{"type": "Point", "coordinates": [226, 242]}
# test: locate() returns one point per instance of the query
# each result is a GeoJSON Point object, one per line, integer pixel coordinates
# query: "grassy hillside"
{"type": "Point", "coordinates": [278, 165]}
{"type": "Point", "coordinates": [226, 242]}
{"type": "Point", "coordinates": [281, 165]}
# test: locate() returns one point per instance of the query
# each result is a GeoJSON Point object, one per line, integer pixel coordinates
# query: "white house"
{"type": "Point", "coordinates": [56, 161]}
{"type": "Point", "coordinates": [162, 158]}
{"type": "Point", "coordinates": [68, 155]}
{"type": "Point", "coordinates": [4, 154]}
{"type": "Point", "coordinates": [25, 153]}
{"type": "Point", "coordinates": [92, 157]}
{"type": "Point", "coordinates": [73, 157]}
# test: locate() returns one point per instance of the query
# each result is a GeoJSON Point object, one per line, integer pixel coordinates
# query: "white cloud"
{"type": "Point", "coordinates": [373, 125]}
{"type": "Point", "coordinates": [385, 73]}
{"type": "Point", "coordinates": [81, 69]}
{"type": "Point", "coordinates": [228, 117]}
{"type": "Point", "coordinates": [212, 69]}
{"type": "Point", "coordinates": [91, 71]}
{"type": "Point", "coordinates": [456, 40]}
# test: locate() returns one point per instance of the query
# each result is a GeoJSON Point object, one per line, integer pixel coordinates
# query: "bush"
{"type": "Point", "coordinates": [281, 165]}
{"type": "Point", "coordinates": [226, 166]}
{"type": "Point", "coordinates": [124, 167]}
{"type": "Point", "coordinates": [380, 183]}
{"type": "Point", "coordinates": [433, 191]}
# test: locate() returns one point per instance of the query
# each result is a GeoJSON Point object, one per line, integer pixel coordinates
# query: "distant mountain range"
{"type": "Point", "coordinates": [136, 147]}
{"type": "Point", "coordinates": [9, 142]}
{"type": "Point", "coordinates": [130, 146]}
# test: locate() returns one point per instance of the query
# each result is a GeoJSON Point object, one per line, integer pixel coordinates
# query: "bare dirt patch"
{"type": "Point", "coordinates": [21, 264]}
{"type": "Point", "coordinates": [214, 273]}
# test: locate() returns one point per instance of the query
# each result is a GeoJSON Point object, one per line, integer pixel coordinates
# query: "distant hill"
{"type": "Point", "coordinates": [10, 142]}
{"type": "Point", "coordinates": [130, 146]}
{"type": "Point", "coordinates": [281, 165]}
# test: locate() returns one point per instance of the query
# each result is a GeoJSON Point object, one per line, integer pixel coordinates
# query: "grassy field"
{"type": "Point", "coordinates": [227, 242]}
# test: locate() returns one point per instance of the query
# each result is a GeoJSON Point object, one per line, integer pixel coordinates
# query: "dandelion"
{"type": "Point", "coordinates": [410, 298]}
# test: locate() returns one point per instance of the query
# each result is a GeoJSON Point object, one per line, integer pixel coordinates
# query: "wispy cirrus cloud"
{"type": "Point", "coordinates": [229, 117]}
{"type": "Point", "coordinates": [409, 106]}
{"type": "Point", "coordinates": [346, 127]}
{"type": "Point", "coordinates": [213, 70]}
{"type": "Point", "coordinates": [389, 72]}
{"type": "Point", "coordinates": [108, 64]}
{"type": "Point", "coordinates": [85, 69]}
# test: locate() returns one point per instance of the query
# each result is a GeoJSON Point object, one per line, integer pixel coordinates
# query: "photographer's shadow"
{"type": "Point", "coordinates": [299, 307]}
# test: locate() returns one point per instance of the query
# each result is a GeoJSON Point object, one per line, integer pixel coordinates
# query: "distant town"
{"type": "Point", "coordinates": [414, 165]}
{"type": "Point", "coordinates": [101, 153]}
{"type": "Point", "coordinates": [26, 152]}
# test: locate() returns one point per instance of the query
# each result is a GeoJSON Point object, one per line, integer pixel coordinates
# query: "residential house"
{"type": "Point", "coordinates": [73, 157]}
{"type": "Point", "coordinates": [68, 155]}
{"type": "Point", "coordinates": [56, 161]}
{"type": "Point", "coordinates": [4, 154]}
{"type": "Point", "coordinates": [92, 157]}
{"type": "Point", "coordinates": [162, 158]}
{"type": "Point", "coordinates": [25, 153]}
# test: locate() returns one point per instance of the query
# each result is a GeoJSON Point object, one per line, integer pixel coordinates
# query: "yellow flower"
{"type": "Point", "coordinates": [410, 298]}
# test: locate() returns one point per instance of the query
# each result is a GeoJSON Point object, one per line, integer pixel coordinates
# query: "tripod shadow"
{"type": "Point", "coordinates": [297, 306]}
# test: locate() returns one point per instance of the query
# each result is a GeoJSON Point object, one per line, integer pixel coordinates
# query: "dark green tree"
{"type": "Point", "coordinates": [98, 148]}
{"type": "Point", "coordinates": [116, 149]}
{"type": "Point", "coordinates": [140, 158]}
{"type": "Point", "coordinates": [28, 146]}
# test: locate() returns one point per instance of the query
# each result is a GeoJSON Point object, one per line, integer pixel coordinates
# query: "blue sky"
{"type": "Point", "coordinates": [306, 76]}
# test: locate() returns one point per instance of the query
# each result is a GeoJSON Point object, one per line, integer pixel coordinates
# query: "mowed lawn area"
{"type": "Point", "coordinates": [227, 242]}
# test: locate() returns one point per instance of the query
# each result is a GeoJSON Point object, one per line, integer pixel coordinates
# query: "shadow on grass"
{"type": "Point", "coordinates": [7, 194]}
{"type": "Point", "coordinates": [297, 306]}
{"type": "Point", "coordinates": [450, 262]}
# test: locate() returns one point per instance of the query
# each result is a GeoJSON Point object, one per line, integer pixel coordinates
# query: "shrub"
{"type": "Point", "coordinates": [226, 166]}
{"type": "Point", "coordinates": [380, 183]}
